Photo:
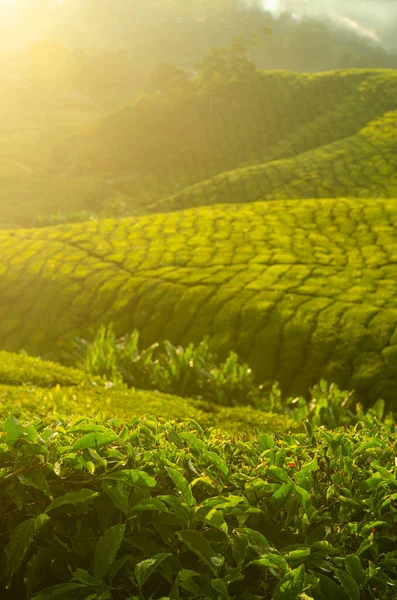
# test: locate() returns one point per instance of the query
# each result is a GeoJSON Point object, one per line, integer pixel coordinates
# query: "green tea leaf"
{"type": "Point", "coordinates": [297, 555]}
{"type": "Point", "coordinates": [215, 519]}
{"type": "Point", "coordinates": [193, 441]}
{"type": "Point", "coordinates": [349, 585]}
{"type": "Point", "coordinates": [20, 541]}
{"type": "Point", "coordinates": [324, 548]}
{"type": "Point", "coordinates": [278, 474]}
{"type": "Point", "coordinates": [368, 527]}
{"type": "Point", "coordinates": [58, 592]}
{"type": "Point", "coordinates": [144, 569]}
{"type": "Point", "coordinates": [119, 493]}
{"type": "Point", "coordinates": [330, 588]}
{"type": "Point", "coordinates": [218, 462]}
{"type": "Point", "coordinates": [149, 504]}
{"type": "Point", "coordinates": [276, 563]}
{"type": "Point", "coordinates": [72, 499]}
{"type": "Point", "coordinates": [133, 477]}
{"type": "Point", "coordinates": [220, 586]}
{"type": "Point", "coordinates": [355, 569]}
{"type": "Point", "coordinates": [94, 440]}
{"type": "Point", "coordinates": [266, 442]}
{"type": "Point", "coordinates": [106, 550]}
{"type": "Point", "coordinates": [37, 480]}
{"type": "Point", "coordinates": [291, 585]}
{"type": "Point", "coordinates": [13, 429]}
{"type": "Point", "coordinates": [182, 486]}
{"type": "Point", "coordinates": [197, 543]}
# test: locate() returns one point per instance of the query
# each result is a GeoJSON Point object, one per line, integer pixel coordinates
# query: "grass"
{"type": "Point", "coordinates": [300, 291]}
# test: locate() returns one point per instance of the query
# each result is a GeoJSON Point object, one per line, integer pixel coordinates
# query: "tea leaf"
{"type": "Point", "coordinates": [106, 550]}
{"type": "Point", "coordinates": [182, 486]}
{"type": "Point", "coordinates": [72, 499]}
{"type": "Point", "coordinates": [19, 544]}
{"type": "Point", "coordinates": [144, 569]}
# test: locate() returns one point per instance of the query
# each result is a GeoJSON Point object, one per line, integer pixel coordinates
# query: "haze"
{"type": "Point", "coordinates": [24, 21]}
{"type": "Point", "coordinates": [372, 16]}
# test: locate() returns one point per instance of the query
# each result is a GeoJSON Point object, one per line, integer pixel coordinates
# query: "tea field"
{"type": "Point", "coordinates": [219, 459]}
{"type": "Point", "coordinates": [274, 135]}
{"type": "Point", "coordinates": [300, 290]}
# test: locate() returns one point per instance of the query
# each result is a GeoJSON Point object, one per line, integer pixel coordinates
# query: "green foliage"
{"type": "Point", "coordinates": [118, 359]}
{"type": "Point", "coordinates": [168, 510]}
{"type": "Point", "coordinates": [192, 372]}
{"type": "Point", "coordinates": [188, 372]}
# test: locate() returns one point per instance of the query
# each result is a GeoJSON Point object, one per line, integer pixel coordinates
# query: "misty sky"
{"type": "Point", "coordinates": [374, 18]}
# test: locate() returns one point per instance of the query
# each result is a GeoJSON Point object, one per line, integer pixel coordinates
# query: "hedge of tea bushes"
{"type": "Point", "coordinates": [363, 165]}
{"type": "Point", "coordinates": [202, 130]}
{"type": "Point", "coordinates": [149, 509]}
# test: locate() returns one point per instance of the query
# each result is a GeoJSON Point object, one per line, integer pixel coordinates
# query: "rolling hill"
{"type": "Point", "coordinates": [278, 135]}
{"type": "Point", "coordinates": [301, 290]}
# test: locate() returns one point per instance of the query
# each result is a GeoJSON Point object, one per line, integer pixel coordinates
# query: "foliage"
{"type": "Point", "coordinates": [190, 372]}
{"type": "Point", "coordinates": [149, 508]}
{"type": "Point", "coordinates": [193, 372]}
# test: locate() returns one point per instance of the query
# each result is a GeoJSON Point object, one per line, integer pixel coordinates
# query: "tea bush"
{"type": "Point", "coordinates": [149, 508]}
{"type": "Point", "coordinates": [21, 369]}
{"type": "Point", "coordinates": [109, 401]}
{"type": "Point", "coordinates": [273, 135]}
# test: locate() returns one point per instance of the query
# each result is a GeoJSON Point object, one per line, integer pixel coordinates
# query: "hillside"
{"type": "Point", "coordinates": [300, 290]}
{"type": "Point", "coordinates": [271, 135]}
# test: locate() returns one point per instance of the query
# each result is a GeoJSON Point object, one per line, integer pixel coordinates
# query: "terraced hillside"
{"type": "Point", "coordinates": [301, 290]}
{"type": "Point", "coordinates": [275, 135]}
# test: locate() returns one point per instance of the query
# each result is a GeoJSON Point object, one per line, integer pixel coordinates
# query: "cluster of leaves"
{"type": "Point", "coordinates": [193, 372]}
{"type": "Point", "coordinates": [188, 372]}
{"type": "Point", "coordinates": [153, 509]}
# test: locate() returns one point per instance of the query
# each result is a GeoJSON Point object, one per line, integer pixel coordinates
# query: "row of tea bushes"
{"type": "Point", "coordinates": [148, 508]}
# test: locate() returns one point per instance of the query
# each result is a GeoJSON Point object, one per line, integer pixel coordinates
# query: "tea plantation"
{"type": "Point", "coordinates": [300, 290]}
{"type": "Point", "coordinates": [219, 459]}
{"type": "Point", "coordinates": [274, 135]}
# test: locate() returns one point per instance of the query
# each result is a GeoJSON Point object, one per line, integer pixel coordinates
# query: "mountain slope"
{"type": "Point", "coordinates": [300, 290]}
{"type": "Point", "coordinates": [277, 135]}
